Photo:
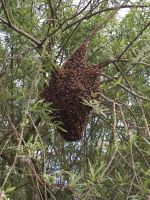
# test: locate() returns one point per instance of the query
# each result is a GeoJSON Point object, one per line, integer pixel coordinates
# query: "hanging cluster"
{"type": "Point", "coordinates": [67, 88]}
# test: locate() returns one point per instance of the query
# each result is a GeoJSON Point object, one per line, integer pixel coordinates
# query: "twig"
{"type": "Point", "coordinates": [114, 60]}
{"type": "Point", "coordinates": [15, 28]}
{"type": "Point", "coordinates": [90, 15]}
{"type": "Point", "coordinates": [109, 164]}
{"type": "Point", "coordinates": [5, 11]}
{"type": "Point", "coordinates": [127, 89]}
{"type": "Point", "coordinates": [130, 44]}
{"type": "Point", "coordinates": [128, 194]}
{"type": "Point", "coordinates": [21, 32]}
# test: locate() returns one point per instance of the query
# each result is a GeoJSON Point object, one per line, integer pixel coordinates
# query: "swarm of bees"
{"type": "Point", "coordinates": [68, 86]}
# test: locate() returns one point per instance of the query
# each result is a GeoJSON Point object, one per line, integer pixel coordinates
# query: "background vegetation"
{"type": "Point", "coordinates": [113, 159]}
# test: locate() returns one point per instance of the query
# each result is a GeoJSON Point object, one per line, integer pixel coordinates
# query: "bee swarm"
{"type": "Point", "coordinates": [67, 88]}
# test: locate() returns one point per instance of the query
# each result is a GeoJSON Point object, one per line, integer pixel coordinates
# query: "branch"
{"type": "Point", "coordinates": [90, 14]}
{"type": "Point", "coordinates": [114, 60]}
{"type": "Point", "coordinates": [144, 63]}
{"type": "Point", "coordinates": [125, 88]}
{"type": "Point", "coordinates": [15, 28]}
{"type": "Point", "coordinates": [5, 11]}
{"type": "Point", "coordinates": [134, 93]}
{"type": "Point", "coordinates": [111, 61]}
{"type": "Point", "coordinates": [130, 44]}
{"type": "Point", "coordinates": [116, 7]}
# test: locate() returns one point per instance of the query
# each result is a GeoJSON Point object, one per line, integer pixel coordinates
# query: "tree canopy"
{"type": "Point", "coordinates": [112, 161]}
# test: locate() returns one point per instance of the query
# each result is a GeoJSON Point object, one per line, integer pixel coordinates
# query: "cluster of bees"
{"type": "Point", "coordinates": [74, 81]}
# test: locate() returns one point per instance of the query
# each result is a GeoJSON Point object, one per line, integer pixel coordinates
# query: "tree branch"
{"type": "Point", "coordinates": [113, 60]}
{"type": "Point", "coordinates": [125, 88]}
{"type": "Point", "coordinates": [5, 11]}
{"type": "Point", "coordinates": [130, 44]}
{"type": "Point", "coordinates": [90, 14]}
{"type": "Point", "coordinates": [15, 28]}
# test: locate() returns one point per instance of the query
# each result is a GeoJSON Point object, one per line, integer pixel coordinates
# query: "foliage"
{"type": "Point", "coordinates": [113, 159]}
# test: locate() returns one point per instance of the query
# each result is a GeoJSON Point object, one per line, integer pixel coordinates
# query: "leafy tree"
{"type": "Point", "coordinates": [112, 161]}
